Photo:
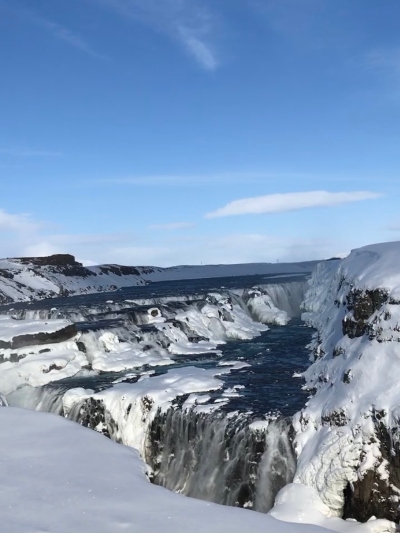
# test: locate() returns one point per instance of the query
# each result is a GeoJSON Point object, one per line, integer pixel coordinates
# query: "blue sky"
{"type": "Point", "coordinates": [198, 131]}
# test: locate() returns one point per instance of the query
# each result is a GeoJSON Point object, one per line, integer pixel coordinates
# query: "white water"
{"type": "Point", "coordinates": [223, 460]}
{"type": "Point", "coordinates": [286, 297]}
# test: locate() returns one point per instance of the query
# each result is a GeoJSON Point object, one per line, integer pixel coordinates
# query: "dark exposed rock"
{"type": "Point", "coordinates": [363, 305]}
{"type": "Point", "coordinates": [347, 377]}
{"type": "Point", "coordinates": [14, 357]}
{"type": "Point", "coordinates": [60, 335]}
{"type": "Point", "coordinates": [6, 274]}
{"type": "Point", "coordinates": [336, 418]}
{"type": "Point", "coordinates": [57, 260]}
{"type": "Point", "coordinates": [371, 495]}
{"type": "Point", "coordinates": [337, 351]}
{"type": "Point", "coordinates": [92, 412]}
{"type": "Point", "coordinates": [77, 271]}
{"type": "Point", "coordinates": [81, 346]}
{"type": "Point", "coordinates": [353, 329]}
{"type": "Point", "coordinates": [119, 270]}
{"type": "Point", "coordinates": [52, 367]}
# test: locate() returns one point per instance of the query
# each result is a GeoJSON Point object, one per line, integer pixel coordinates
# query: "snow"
{"type": "Point", "coordinates": [59, 477]}
{"type": "Point", "coordinates": [133, 405]}
{"type": "Point", "coordinates": [37, 367]}
{"type": "Point", "coordinates": [217, 319]}
{"type": "Point", "coordinates": [301, 504]}
{"type": "Point", "coordinates": [26, 280]}
{"type": "Point", "coordinates": [10, 328]}
{"type": "Point", "coordinates": [259, 425]}
{"type": "Point", "coordinates": [235, 365]}
{"type": "Point", "coordinates": [353, 377]}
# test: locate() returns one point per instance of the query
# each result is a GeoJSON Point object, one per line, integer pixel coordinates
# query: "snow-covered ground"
{"type": "Point", "coordinates": [59, 477]}
{"type": "Point", "coordinates": [22, 280]}
{"type": "Point", "coordinates": [11, 328]}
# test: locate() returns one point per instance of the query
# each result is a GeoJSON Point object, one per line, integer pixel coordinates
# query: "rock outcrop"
{"type": "Point", "coordinates": [348, 435]}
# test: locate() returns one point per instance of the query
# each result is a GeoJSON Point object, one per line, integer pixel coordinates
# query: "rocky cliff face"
{"type": "Point", "coordinates": [348, 435]}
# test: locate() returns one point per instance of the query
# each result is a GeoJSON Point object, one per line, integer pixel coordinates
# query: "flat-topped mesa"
{"type": "Point", "coordinates": [51, 260]}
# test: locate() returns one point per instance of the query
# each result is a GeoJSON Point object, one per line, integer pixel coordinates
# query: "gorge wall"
{"type": "Point", "coordinates": [348, 434]}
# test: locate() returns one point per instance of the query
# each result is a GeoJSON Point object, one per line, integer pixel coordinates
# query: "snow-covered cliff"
{"type": "Point", "coordinates": [348, 435]}
{"type": "Point", "coordinates": [35, 278]}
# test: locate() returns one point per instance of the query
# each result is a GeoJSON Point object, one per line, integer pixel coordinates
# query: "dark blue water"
{"type": "Point", "coordinates": [274, 356]}
{"type": "Point", "coordinates": [269, 385]}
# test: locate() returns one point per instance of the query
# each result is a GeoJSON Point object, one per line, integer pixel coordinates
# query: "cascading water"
{"type": "Point", "coordinates": [221, 458]}
{"type": "Point", "coordinates": [215, 456]}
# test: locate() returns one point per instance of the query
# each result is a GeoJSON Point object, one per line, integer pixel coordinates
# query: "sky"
{"type": "Point", "coordinates": [165, 132]}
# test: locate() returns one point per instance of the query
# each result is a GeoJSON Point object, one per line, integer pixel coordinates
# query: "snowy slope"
{"type": "Point", "coordinates": [28, 279]}
{"type": "Point", "coordinates": [62, 478]}
{"type": "Point", "coordinates": [348, 434]}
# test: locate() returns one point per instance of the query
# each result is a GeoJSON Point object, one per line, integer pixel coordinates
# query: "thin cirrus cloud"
{"type": "Point", "coordinates": [198, 49]}
{"type": "Point", "coordinates": [171, 180]}
{"type": "Point", "coordinates": [188, 23]}
{"type": "Point", "coordinates": [277, 203]}
{"type": "Point", "coordinates": [59, 32]}
{"type": "Point", "coordinates": [172, 226]}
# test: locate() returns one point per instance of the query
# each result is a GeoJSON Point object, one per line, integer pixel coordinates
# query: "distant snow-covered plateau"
{"type": "Point", "coordinates": [261, 397]}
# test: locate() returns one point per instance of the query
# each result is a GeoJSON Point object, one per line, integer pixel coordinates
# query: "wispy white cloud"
{"type": "Point", "coordinates": [198, 49]}
{"type": "Point", "coordinates": [187, 23]}
{"type": "Point", "coordinates": [180, 180]}
{"type": "Point", "coordinates": [69, 37]}
{"type": "Point", "coordinates": [275, 203]}
{"type": "Point", "coordinates": [60, 32]}
{"type": "Point", "coordinates": [172, 226]}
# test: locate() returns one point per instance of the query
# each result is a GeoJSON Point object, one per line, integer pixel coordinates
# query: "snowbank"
{"type": "Point", "coordinates": [62, 478]}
